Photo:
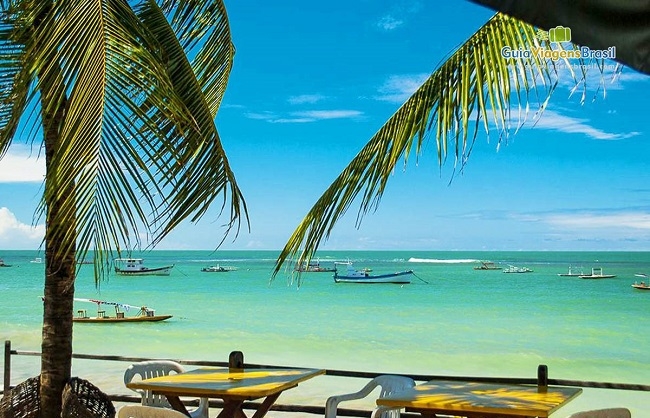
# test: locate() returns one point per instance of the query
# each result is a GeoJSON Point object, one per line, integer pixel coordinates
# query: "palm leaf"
{"type": "Point", "coordinates": [138, 139]}
{"type": "Point", "coordinates": [474, 83]}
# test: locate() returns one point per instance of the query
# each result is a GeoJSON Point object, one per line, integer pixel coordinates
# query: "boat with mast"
{"type": "Point", "coordinates": [353, 275]}
{"type": "Point", "coordinates": [143, 314]}
{"type": "Point", "coordinates": [597, 273]}
{"type": "Point", "coordinates": [136, 267]}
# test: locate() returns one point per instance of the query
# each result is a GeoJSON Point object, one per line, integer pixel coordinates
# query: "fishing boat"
{"type": "Point", "coordinates": [643, 285]}
{"type": "Point", "coordinates": [135, 267]}
{"type": "Point", "coordinates": [218, 269]}
{"type": "Point", "coordinates": [487, 265]}
{"type": "Point", "coordinates": [2, 263]}
{"type": "Point", "coordinates": [37, 260]}
{"type": "Point", "coordinates": [572, 272]}
{"type": "Point", "coordinates": [597, 273]}
{"type": "Point", "coordinates": [314, 267]}
{"type": "Point", "coordinates": [143, 314]}
{"type": "Point", "coordinates": [353, 275]}
{"type": "Point", "coordinates": [515, 269]}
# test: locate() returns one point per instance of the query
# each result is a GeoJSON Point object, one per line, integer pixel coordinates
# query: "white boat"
{"type": "Point", "coordinates": [515, 269]}
{"type": "Point", "coordinates": [597, 273]}
{"type": "Point", "coordinates": [218, 269]}
{"type": "Point", "coordinates": [643, 285]}
{"type": "Point", "coordinates": [135, 267]}
{"type": "Point", "coordinates": [353, 275]}
{"type": "Point", "coordinates": [573, 272]}
{"type": "Point", "coordinates": [314, 267]}
{"type": "Point", "coordinates": [37, 260]}
{"type": "Point", "coordinates": [144, 314]}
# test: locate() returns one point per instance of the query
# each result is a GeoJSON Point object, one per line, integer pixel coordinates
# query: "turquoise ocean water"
{"type": "Point", "coordinates": [452, 319]}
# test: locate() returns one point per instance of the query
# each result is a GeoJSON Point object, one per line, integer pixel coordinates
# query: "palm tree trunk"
{"type": "Point", "coordinates": [60, 266]}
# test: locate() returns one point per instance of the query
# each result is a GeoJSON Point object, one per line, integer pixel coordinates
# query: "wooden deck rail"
{"type": "Point", "coordinates": [320, 410]}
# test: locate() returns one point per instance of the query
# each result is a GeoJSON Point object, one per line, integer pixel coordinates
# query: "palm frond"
{"type": "Point", "coordinates": [137, 139]}
{"type": "Point", "coordinates": [474, 83]}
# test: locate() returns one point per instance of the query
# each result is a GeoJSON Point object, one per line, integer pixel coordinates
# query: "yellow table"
{"type": "Point", "coordinates": [234, 386]}
{"type": "Point", "coordinates": [480, 400]}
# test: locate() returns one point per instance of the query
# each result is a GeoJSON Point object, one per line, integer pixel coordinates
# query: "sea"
{"type": "Point", "coordinates": [451, 320]}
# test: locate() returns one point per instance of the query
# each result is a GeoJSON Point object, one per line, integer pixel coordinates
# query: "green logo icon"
{"type": "Point", "coordinates": [559, 34]}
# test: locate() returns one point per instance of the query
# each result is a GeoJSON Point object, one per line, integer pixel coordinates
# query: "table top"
{"type": "Point", "coordinates": [222, 382]}
{"type": "Point", "coordinates": [482, 398]}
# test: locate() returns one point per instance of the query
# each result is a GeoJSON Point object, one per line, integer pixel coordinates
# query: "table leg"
{"type": "Point", "coordinates": [232, 409]}
{"type": "Point", "coordinates": [266, 405]}
{"type": "Point", "coordinates": [176, 403]}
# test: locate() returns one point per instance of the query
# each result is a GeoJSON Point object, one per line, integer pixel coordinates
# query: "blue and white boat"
{"type": "Point", "coordinates": [353, 275]}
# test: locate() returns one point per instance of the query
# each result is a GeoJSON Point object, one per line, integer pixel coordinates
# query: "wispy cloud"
{"type": "Point", "coordinates": [389, 22]}
{"type": "Point", "coordinates": [630, 220]}
{"type": "Point", "coordinates": [306, 116]}
{"type": "Point", "coordinates": [562, 123]}
{"type": "Point", "coordinates": [306, 99]}
{"type": "Point", "coordinates": [21, 166]}
{"type": "Point", "coordinates": [15, 234]}
{"type": "Point", "coordinates": [398, 88]}
{"type": "Point", "coordinates": [398, 15]}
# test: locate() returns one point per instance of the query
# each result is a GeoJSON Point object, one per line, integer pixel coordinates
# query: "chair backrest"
{"type": "Point", "coordinates": [604, 413]}
{"type": "Point", "coordinates": [391, 383]}
{"type": "Point", "coordinates": [388, 383]}
{"type": "Point", "coordinates": [140, 411]}
{"type": "Point", "coordinates": [82, 399]}
{"type": "Point", "coordinates": [147, 370]}
{"type": "Point", "coordinates": [23, 400]}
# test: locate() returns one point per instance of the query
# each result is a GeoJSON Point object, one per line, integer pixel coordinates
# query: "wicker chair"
{"type": "Point", "coordinates": [81, 399]}
{"type": "Point", "coordinates": [22, 401]}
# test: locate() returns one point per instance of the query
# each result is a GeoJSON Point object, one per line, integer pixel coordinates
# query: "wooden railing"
{"type": "Point", "coordinates": [542, 379]}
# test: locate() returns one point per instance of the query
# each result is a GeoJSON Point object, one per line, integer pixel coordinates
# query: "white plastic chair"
{"type": "Point", "coordinates": [604, 413]}
{"type": "Point", "coordinates": [155, 368]}
{"type": "Point", "coordinates": [140, 411]}
{"type": "Point", "coordinates": [389, 384]}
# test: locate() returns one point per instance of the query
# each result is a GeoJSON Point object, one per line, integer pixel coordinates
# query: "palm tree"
{"type": "Point", "coordinates": [125, 95]}
{"type": "Point", "coordinates": [475, 89]}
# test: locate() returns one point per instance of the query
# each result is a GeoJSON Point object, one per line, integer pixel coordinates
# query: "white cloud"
{"type": "Point", "coordinates": [306, 98]}
{"type": "Point", "coordinates": [306, 116]}
{"type": "Point", "coordinates": [398, 88]}
{"type": "Point", "coordinates": [631, 220]}
{"type": "Point", "coordinates": [562, 123]}
{"type": "Point", "coordinates": [329, 114]}
{"type": "Point", "coordinates": [17, 235]}
{"type": "Point", "coordinates": [389, 22]}
{"type": "Point", "coordinates": [18, 166]}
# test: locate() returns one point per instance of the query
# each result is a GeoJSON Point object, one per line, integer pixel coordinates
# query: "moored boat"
{"type": "Point", "coordinates": [135, 267]}
{"type": "Point", "coordinates": [515, 269]}
{"type": "Point", "coordinates": [643, 285]}
{"type": "Point", "coordinates": [314, 267]}
{"type": "Point", "coordinates": [573, 272]}
{"type": "Point", "coordinates": [597, 273]}
{"type": "Point", "coordinates": [2, 263]}
{"type": "Point", "coordinates": [487, 265]}
{"type": "Point", "coordinates": [218, 269]}
{"type": "Point", "coordinates": [353, 275]}
{"type": "Point", "coordinates": [144, 314]}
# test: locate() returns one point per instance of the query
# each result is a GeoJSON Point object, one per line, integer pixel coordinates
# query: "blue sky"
{"type": "Point", "coordinates": [313, 81]}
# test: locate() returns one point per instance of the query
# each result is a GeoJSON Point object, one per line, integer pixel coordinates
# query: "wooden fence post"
{"type": "Point", "coordinates": [7, 371]}
{"type": "Point", "coordinates": [542, 377]}
{"type": "Point", "coordinates": [236, 361]}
